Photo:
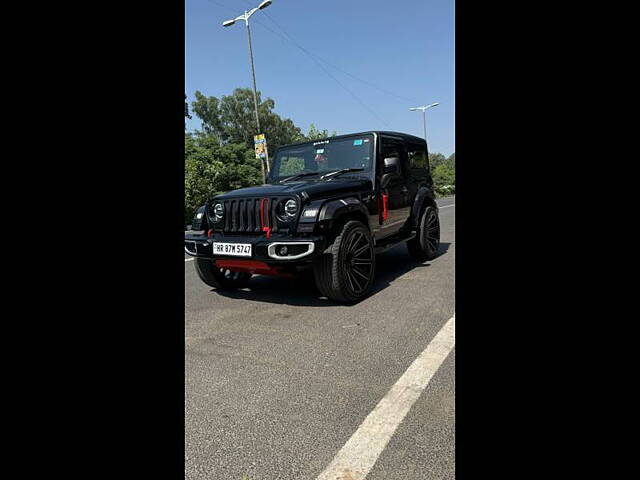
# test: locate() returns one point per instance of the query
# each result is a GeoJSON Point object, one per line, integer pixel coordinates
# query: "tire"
{"type": "Point", "coordinates": [219, 277]}
{"type": "Point", "coordinates": [427, 241]}
{"type": "Point", "coordinates": [345, 271]}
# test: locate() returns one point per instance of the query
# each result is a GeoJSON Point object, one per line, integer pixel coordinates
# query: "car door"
{"type": "Point", "coordinates": [398, 207]}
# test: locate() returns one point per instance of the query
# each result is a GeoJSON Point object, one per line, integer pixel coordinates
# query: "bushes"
{"type": "Point", "coordinates": [443, 173]}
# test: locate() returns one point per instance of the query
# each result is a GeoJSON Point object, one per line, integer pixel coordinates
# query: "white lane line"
{"type": "Point", "coordinates": [188, 259]}
{"type": "Point", "coordinates": [360, 453]}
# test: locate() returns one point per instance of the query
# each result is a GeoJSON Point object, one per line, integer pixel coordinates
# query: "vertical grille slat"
{"type": "Point", "coordinates": [236, 210]}
{"type": "Point", "coordinates": [256, 209]}
{"type": "Point", "coordinates": [250, 216]}
{"type": "Point", "coordinates": [227, 215]}
{"type": "Point", "coordinates": [272, 215]}
{"type": "Point", "coordinates": [241, 210]}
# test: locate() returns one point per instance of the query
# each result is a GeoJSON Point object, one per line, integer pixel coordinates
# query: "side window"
{"type": "Point", "coordinates": [418, 161]}
{"type": "Point", "coordinates": [394, 149]}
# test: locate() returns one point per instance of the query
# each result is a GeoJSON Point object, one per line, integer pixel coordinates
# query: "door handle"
{"type": "Point", "coordinates": [404, 190]}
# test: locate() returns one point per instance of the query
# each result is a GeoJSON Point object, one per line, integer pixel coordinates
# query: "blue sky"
{"type": "Point", "coordinates": [404, 47]}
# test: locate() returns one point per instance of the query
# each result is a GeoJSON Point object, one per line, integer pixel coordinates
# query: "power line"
{"type": "Point", "coordinates": [290, 38]}
{"type": "Point", "coordinates": [316, 60]}
{"type": "Point", "coordinates": [310, 55]}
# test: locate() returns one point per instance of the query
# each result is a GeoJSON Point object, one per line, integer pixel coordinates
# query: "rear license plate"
{"type": "Point", "coordinates": [233, 249]}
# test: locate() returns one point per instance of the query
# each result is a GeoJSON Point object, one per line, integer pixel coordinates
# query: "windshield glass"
{"type": "Point", "coordinates": [322, 157]}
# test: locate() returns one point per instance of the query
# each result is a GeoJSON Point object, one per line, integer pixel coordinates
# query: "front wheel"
{"type": "Point", "coordinates": [344, 272]}
{"type": "Point", "coordinates": [218, 277]}
{"type": "Point", "coordinates": [427, 241]}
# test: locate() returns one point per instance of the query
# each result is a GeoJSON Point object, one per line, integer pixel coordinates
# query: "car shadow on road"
{"type": "Point", "coordinates": [301, 289]}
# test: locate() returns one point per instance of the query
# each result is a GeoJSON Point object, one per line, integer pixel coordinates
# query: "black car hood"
{"type": "Point", "coordinates": [315, 188]}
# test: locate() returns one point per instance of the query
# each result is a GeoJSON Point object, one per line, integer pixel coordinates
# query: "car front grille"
{"type": "Point", "coordinates": [242, 215]}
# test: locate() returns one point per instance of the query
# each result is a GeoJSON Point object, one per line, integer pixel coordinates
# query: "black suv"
{"type": "Point", "coordinates": [330, 205]}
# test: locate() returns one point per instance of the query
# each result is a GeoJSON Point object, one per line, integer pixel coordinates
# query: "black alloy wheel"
{"type": "Point", "coordinates": [358, 261]}
{"type": "Point", "coordinates": [427, 241]}
{"type": "Point", "coordinates": [345, 272]}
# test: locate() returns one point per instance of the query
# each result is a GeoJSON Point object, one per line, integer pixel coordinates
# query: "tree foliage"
{"type": "Point", "coordinates": [443, 172]}
{"type": "Point", "coordinates": [232, 119]}
{"type": "Point", "coordinates": [212, 167]}
{"type": "Point", "coordinates": [315, 134]}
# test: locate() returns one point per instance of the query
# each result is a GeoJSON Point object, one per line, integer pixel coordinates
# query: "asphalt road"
{"type": "Point", "coordinates": [278, 379]}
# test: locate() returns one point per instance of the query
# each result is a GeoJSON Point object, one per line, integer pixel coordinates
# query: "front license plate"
{"type": "Point", "coordinates": [233, 249]}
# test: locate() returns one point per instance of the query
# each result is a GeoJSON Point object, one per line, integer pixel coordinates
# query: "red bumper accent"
{"type": "Point", "coordinates": [249, 266]}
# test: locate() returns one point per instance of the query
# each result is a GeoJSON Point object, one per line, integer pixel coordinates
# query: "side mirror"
{"type": "Point", "coordinates": [392, 165]}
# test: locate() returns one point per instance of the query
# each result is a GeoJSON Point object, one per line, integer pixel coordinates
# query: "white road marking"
{"type": "Point", "coordinates": [188, 259]}
{"type": "Point", "coordinates": [360, 453]}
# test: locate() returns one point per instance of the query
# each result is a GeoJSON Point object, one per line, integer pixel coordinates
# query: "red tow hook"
{"type": "Point", "coordinates": [210, 233]}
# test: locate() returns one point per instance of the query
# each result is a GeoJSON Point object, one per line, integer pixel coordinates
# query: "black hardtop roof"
{"type": "Point", "coordinates": [405, 136]}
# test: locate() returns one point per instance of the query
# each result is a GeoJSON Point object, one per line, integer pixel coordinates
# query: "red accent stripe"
{"type": "Point", "coordinates": [265, 228]}
{"type": "Point", "coordinates": [385, 211]}
{"type": "Point", "coordinates": [249, 266]}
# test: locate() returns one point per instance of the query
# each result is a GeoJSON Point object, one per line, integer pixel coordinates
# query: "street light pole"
{"type": "Point", "coordinates": [253, 74]}
{"type": "Point", "coordinates": [228, 23]}
{"type": "Point", "coordinates": [424, 115]}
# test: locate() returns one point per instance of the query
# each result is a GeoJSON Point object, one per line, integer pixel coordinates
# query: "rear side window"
{"type": "Point", "coordinates": [418, 162]}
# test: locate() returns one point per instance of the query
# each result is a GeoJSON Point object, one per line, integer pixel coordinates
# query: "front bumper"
{"type": "Point", "coordinates": [264, 250]}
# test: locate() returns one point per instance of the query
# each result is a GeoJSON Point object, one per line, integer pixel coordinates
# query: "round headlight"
{"type": "Point", "coordinates": [218, 211]}
{"type": "Point", "coordinates": [291, 208]}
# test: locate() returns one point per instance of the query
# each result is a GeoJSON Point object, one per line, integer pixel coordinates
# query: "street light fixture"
{"type": "Point", "coordinates": [228, 23]}
{"type": "Point", "coordinates": [424, 115]}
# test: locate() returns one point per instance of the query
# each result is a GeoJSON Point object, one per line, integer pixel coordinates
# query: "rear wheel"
{"type": "Point", "coordinates": [218, 277]}
{"type": "Point", "coordinates": [427, 241]}
{"type": "Point", "coordinates": [345, 271]}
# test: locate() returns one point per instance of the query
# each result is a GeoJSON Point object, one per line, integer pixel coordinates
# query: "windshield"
{"type": "Point", "coordinates": [322, 157]}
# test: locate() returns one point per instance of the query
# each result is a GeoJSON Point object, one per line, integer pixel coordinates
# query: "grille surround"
{"type": "Point", "coordinates": [242, 214]}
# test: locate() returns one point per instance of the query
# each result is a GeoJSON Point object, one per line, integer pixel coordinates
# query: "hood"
{"type": "Point", "coordinates": [315, 188]}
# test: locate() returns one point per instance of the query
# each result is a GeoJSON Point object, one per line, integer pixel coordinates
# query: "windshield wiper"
{"type": "Point", "coordinates": [299, 175]}
{"type": "Point", "coordinates": [341, 171]}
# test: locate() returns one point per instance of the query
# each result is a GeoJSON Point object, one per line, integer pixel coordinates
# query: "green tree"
{"type": "Point", "coordinates": [186, 107]}
{"type": "Point", "coordinates": [436, 159]}
{"type": "Point", "coordinates": [212, 167]}
{"type": "Point", "coordinates": [452, 160]}
{"type": "Point", "coordinates": [443, 173]}
{"type": "Point", "coordinates": [232, 119]}
{"type": "Point", "coordinates": [315, 134]}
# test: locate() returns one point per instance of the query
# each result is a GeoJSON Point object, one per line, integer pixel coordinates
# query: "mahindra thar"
{"type": "Point", "coordinates": [328, 205]}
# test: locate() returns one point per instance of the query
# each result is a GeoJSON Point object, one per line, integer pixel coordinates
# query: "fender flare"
{"type": "Point", "coordinates": [332, 210]}
{"type": "Point", "coordinates": [425, 196]}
